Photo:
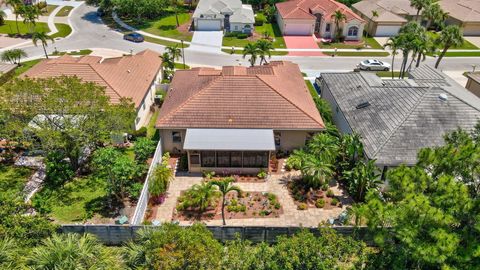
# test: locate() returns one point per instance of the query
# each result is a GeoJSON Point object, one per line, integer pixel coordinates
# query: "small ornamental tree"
{"type": "Point", "coordinates": [143, 149]}
{"type": "Point", "coordinates": [225, 186]}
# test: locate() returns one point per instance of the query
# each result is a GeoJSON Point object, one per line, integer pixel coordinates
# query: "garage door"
{"type": "Point", "coordinates": [387, 30]}
{"type": "Point", "coordinates": [208, 25]}
{"type": "Point", "coordinates": [471, 30]}
{"type": "Point", "coordinates": [298, 30]}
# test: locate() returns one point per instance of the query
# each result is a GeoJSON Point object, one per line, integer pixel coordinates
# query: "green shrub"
{"type": "Point", "coordinates": [325, 187]}
{"type": "Point", "coordinates": [143, 149]}
{"type": "Point", "coordinates": [334, 201]}
{"type": "Point", "coordinates": [294, 162]}
{"type": "Point", "coordinates": [242, 36]}
{"type": "Point", "coordinates": [260, 19]}
{"type": "Point", "coordinates": [134, 190]}
{"type": "Point", "coordinates": [208, 174]}
{"type": "Point", "coordinates": [58, 170]}
{"type": "Point", "coordinates": [320, 203]}
{"type": "Point", "coordinates": [330, 193]}
{"type": "Point", "coordinates": [41, 203]}
{"type": "Point", "coordinates": [142, 132]}
{"type": "Point", "coordinates": [302, 206]}
{"type": "Point", "coordinates": [277, 205]}
{"type": "Point", "coordinates": [262, 174]}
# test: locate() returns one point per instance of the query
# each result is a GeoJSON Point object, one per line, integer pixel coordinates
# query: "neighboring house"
{"type": "Point", "coordinates": [308, 17]}
{"type": "Point", "coordinates": [473, 83]}
{"type": "Point", "coordinates": [391, 15]}
{"type": "Point", "coordinates": [396, 118]}
{"type": "Point", "coordinates": [464, 13]}
{"type": "Point", "coordinates": [231, 120]}
{"type": "Point", "coordinates": [133, 76]}
{"type": "Point", "coordinates": [227, 15]}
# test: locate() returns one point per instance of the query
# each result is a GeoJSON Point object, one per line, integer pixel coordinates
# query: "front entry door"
{"type": "Point", "coordinates": [318, 22]}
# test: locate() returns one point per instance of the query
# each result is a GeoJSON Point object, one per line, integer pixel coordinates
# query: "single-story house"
{"type": "Point", "coordinates": [132, 76]}
{"type": "Point", "coordinates": [227, 15]}
{"type": "Point", "coordinates": [390, 15]}
{"type": "Point", "coordinates": [473, 83]}
{"type": "Point", "coordinates": [396, 118]}
{"type": "Point", "coordinates": [232, 119]}
{"type": "Point", "coordinates": [308, 17]}
{"type": "Point", "coordinates": [465, 14]}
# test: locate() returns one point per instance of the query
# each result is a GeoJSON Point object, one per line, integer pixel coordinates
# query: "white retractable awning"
{"type": "Point", "coordinates": [229, 139]}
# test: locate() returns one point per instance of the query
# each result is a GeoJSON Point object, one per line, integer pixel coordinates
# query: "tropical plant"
{"type": "Point", "coordinates": [393, 44]}
{"type": "Point", "coordinates": [3, 15]}
{"type": "Point", "coordinates": [350, 152]}
{"type": "Point", "coordinates": [161, 177]}
{"type": "Point", "coordinates": [451, 36]}
{"type": "Point", "coordinates": [8, 253]}
{"type": "Point", "coordinates": [13, 56]}
{"type": "Point", "coordinates": [174, 52]}
{"type": "Point", "coordinates": [168, 63]}
{"type": "Point", "coordinates": [74, 251]}
{"type": "Point", "coordinates": [265, 49]}
{"type": "Point", "coordinates": [43, 38]}
{"type": "Point", "coordinates": [200, 196]}
{"type": "Point", "coordinates": [316, 171]}
{"type": "Point", "coordinates": [143, 149]}
{"type": "Point", "coordinates": [176, 8]}
{"type": "Point", "coordinates": [16, 7]}
{"type": "Point", "coordinates": [409, 36]}
{"type": "Point", "coordinates": [338, 17]}
{"type": "Point", "coordinates": [362, 178]}
{"type": "Point", "coordinates": [225, 186]}
{"type": "Point", "coordinates": [252, 50]}
{"type": "Point", "coordinates": [324, 109]}
{"type": "Point", "coordinates": [419, 5]}
{"type": "Point", "coordinates": [435, 15]}
{"type": "Point", "coordinates": [324, 146]}
{"type": "Point", "coordinates": [30, 15]}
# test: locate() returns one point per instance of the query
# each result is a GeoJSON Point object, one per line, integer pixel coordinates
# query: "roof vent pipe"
{"type": "Point", "coordinates": [443, 97]}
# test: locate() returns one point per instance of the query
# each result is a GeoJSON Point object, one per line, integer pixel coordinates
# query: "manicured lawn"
{"type": "Point", "coordinates": [10, 27]}
{"type": "Point", "coordinates": [180, 66]}
{"type": "Point", "coordinates": [272, 29]}
{"type": "Point", "coordinates": [164, 42]}
{"type": "Point", "coordinates": [311, 88]}
{"type": "Point", "coordinates": [13, 179]}
{"type": "Point", "coordinates": [462, 54]}
{"type": "Point", "coordinates": [388, 74]}
{"type": "Point", "coordinates": [80, 52]}
{"type": "Point", "coordinates": [369, 41]}
{"type": "Point", "coordinates": [64, 11]}
{"type": "Point", "coordinates": [229, 51]}
{"type": "Point", "coordinates": [63, 30]}
{"type": "Point", "coordinates": [151, 130]}
{"type": "Point", "coordinates": [363, 54]}
{"type": "Point", "coordinates": [165, 26]}
{"type": "Point", "coordinates": [48, 10]}
{"type": "Point", "coordinates": [26, 66]}
{"type": "Point", "coordinates": [467, 45]}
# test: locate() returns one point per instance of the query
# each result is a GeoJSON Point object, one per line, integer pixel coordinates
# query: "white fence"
{"type": "Point", "coordinates": [142, 204]}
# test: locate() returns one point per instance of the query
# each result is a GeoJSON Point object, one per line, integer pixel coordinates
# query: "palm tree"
{"type": "Point", "coordinates": [13, 56]}
{"type": "Point", "coordinates": [174, 52]}
{"type": "Point", "coordinates": [30, 14]}
{"type": "Point", "coordinates": [408, 38]}
{"type": "Point", "coordinates": [324, 146]}
{"type": "Point", "coordinates": [225, 186]}
{"type": "Point", "coordinates": [394, 44]}
{"type": "Point", "coordinates": [168, 64]}
{"type": "Point", "coordinates": [316, 171]}
{"type": "Point", "coordinates": [265, 48]}
{"type": "Point", "coordinates": [362, 178]}
{"type": "Point", "coordinates": [73, 251]}
{"type": "Point", "coordinates": [3, 15]}
{"type": "Point", "coordinates": [421, 46]}
{"type": "Point", "coordinates": [175, 5]}
{"type": "Point", "coordinates": [199, 196]}
{"type": "Point", "coordinates": [451, 36]}
{"type": "Point", "coordinates": [16, 6]}
{"type": "Point", "coordinates": [43, 38]}
{"type": "Point", "coordinates": [252, 50]}
{"type": "Point", "coordinates": [161, 177]}
{"type": "Point", "coordinates": [435, 14]}
{"type": "Point", "coordinates": [419, 5]}
{"type": "Point", "coordinates": [338, 17]}
{"type": "Point", "coordinates": [351, 150]}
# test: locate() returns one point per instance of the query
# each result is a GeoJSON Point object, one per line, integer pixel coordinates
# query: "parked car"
{"type": "Point", "coordinates": [372, 64]}
{"type": "Point", "coordinates": [135, 37]}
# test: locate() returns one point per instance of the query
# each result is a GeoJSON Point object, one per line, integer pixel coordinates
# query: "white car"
{"type": "Point", "coordinates": [372, 64]}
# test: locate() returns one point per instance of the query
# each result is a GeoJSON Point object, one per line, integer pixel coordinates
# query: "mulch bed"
{"type": "Point", "coordinates": [302, 195]}
{"type": "Point", "coordinates": [250, 205]}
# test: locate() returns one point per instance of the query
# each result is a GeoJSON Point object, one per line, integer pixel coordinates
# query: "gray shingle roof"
{"type": "Point", "coordinates": [402, 118]}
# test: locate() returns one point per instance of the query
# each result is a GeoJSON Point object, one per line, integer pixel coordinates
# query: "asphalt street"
{"type": "Point", "coordinates": [90, 32]}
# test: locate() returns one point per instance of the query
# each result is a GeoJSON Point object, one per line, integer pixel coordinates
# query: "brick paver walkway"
{"type": "Point", "coordinates": [276, 184]}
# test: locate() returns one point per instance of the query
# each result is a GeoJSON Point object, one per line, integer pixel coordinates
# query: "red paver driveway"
{"type": "Point", "coordinates": [301, 42]}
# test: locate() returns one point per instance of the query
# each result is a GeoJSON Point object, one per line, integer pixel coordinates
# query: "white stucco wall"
{"type": "Point", "coordinates": [143, 112]}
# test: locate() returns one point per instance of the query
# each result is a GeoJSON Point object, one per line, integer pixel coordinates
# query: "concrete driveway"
{"type": "Point", "coordinates": [207, 41]}
{"type": "Point", "coordinates": [301, 42]}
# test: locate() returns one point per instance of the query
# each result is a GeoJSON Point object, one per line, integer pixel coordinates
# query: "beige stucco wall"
{"type": "Point", "coordinates": [240, 27]}
{"type": "Point", "coordinates": [167, 142]}
{"type": "Point", "coordinates": [143, 112]}
{"type": "Point", "coordinates": [352, 23]}
{"type": "Point", "coordinates": [281, 23]}
{"type": "Point", "coordinates": [473, 87]}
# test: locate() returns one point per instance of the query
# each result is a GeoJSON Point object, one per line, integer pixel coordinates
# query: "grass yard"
{"type": "Point", "coordinates": [180, 66]}
{"type": "Point", "coordinates": [229, 51]}
{"type": "Point", "coordinates": [462, 54]}
{"type": "Point", "coordinates": [80, 52]}
{"type": "Point", "coordinates": [63, 30]}
{"type": "Point", "coordinates": [165, 26]}
{"type": "Point", "coordinates": [369, 41]}
{"type": "Point", "coordinates": [311, 88]}
{"type": "Point", "coordinates": [272, 29]}
{"type": "Point", "coordinates": [360, 54]}
{"type": "Point", "coordinates": [388, 74]}
{"type": "Point", "coordinates": [26, 66]}
{"type": "Point", "coordinates": [64, 11]}
{"type": "Point", "coordinates": [13, 179]}
{"type": "Point", "coordinates": [467, 45]}
{"type": "Point", "coordinates": [151, 130]}
{"type": "Point", "coordinates": [48, 10]}
{"type": "Point", "coordinates": [164, 42]}
{"type": "Point", "coordinates": [11, 28]}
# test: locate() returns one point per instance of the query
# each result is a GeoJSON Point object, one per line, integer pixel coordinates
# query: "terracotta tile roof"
{"type": "Point", "coordinates": [127, 76]}
{"type": "Point", "coordinates": [273, 96]}
{"type": "Point", "coordinates": [303, 9]}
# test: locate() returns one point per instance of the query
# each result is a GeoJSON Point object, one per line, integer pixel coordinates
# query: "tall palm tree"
{"type": "Point", "coordinates": [174, 52]}
{"type": "Point", "coordinates": [73, 251]}
{"type": "Point", "coordinates": [16, 6]}
{"type": "Point", "coordinates": [13, 56]}
{"type": "Point", "coordinates": [451, 36]}
{"type": "Point", "coordinates": [225, 186]}
{"type": "Point", "coordinates": [338, 17]}
{"type": "Point", "coordinates": [43, 38]}
{"type": "Point", "coordinates": [435, 15]}
{"type": "Point", "coordinates": [419, 5]}
{"type": "Point", "coordinates": [252, 50]}
{"type": "Point", "coordinates": [175, 5]}
{"type": "Point", "coordinates": [265, 48]}
{"type": "Point", "coordinates": [393, 44]}
{"type": "Point", "coordinates": [324, 146]}
{"type": "Point", "coordinates": [168, 64]}
{"type": "Point", "coordinates": [30, 14]}
{"type": "Point", "coordinates": [408, 38]}
{"type": "Point", "coordinates": [316, 171]}
{"type": "Point", "coordinates": [161, 177]}
{"type": "Point", "coordinates": [362, 178]}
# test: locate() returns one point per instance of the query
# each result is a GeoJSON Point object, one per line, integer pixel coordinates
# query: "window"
{"type": "Point", "coordinates": [208, 158]}
{"type": "Point", "coordinates": [235, 159]}
{"type": "Point", "coordinates": [255, 159]}
{"type": "Point", "coordinates": [143, 106]}
{"type": "Point", "coordinates": [327, 27]}
{"type": "Point", "coordinates": [223, 159]}
{"type": "Point", "coordinates": [353, 31]}
{"type": "Point", "coordinates": [176, 137]}
{"type": "Point", "coordinates": [236, 27]}
{"type": "Point", "coordinates": [278, 137]}
{"type": "Point", "coordinates": [195, 159]}
{"type": "Point", "coordinates": [137, 120]}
